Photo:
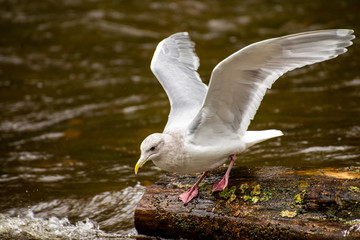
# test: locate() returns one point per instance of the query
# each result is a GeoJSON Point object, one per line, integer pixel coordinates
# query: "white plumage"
{"type": "Point", "coordinates": [207, 125]}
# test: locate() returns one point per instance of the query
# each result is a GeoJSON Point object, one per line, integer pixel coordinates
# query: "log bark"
{"type": "Point", "coordinates": [259, 203]}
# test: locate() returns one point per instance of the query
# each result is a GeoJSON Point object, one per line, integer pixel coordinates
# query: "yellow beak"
{"type": "Point", "coordinates": [140, 163]}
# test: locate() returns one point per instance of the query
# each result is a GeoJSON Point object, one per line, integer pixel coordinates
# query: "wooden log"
{"type": "Point", "coordinates": [259, 203]}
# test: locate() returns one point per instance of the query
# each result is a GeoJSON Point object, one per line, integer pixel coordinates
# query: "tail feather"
{"type": "Point", "coordinates": [253, 137]}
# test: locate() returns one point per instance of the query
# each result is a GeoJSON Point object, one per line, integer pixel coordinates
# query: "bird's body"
{"type": "Point", "coordinates": [207, 125]}
{"type": "Point", "coordinates": [182, 156]}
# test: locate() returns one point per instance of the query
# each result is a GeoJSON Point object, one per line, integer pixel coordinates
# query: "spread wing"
{"type": "Point", "coordinates": [239, 82]}
{"type": "Point", "coordinates": [175, 64]}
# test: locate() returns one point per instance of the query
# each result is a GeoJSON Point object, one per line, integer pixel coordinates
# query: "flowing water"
{"type": "Point", "coordinates": [77, 98]}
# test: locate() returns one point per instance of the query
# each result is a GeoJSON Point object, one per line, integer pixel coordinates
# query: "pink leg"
{"type": "Point", "coordinates": [193, 191]}
{"type": "Point", "coordinates": [221, 184]}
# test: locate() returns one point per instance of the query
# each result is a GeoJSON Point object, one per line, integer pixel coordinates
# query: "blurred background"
{"type": "Point", "coordinates": [77, 97]}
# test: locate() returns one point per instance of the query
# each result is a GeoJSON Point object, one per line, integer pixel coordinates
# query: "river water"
{"type": "Point", "coordinates": [77, 98]}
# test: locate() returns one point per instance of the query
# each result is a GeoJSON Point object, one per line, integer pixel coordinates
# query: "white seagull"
{"type": "Point", "coordinates": [208, 124]}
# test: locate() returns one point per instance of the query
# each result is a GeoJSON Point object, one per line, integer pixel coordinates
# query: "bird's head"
{"type": "Point", "coordinates": [150, 149]}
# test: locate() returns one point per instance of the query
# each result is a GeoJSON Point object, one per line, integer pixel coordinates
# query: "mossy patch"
{"type": "Point", "coordinates": [228, 192]}
{"type": "Point", "coordinates": [354, 189]}
{"type": "Point", "coordinates": [206, 187]}
{"type": "Point", "coordinates": [255, 199]}
{"type": "Point", "coordinates": [256, 190]}
{"type": "Point", "coordinates": [266, 194]}
{"type": "Point", "coordinates": [247, 198]}
{"type": "Point", "coordinates": [299, 198]}
{"type": "Point", "coordinates": [179, 185]}
{"type": "Point", "coordinates": [232, 198]}
{"type": "Point", "coordinates": [257, 193]}
{"type": "Point", "coordinates": [288, 214]}
{"type": "Point", "coordinates": [244, 187]}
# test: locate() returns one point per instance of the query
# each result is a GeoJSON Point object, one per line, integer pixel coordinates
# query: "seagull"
{"type": "Point", "coordinates": [207, 125]}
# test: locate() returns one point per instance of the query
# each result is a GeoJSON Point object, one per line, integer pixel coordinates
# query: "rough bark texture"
{"type": "Point", "coordinates": [259, 203]}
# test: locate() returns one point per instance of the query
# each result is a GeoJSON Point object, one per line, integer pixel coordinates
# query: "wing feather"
{"type": "Point", "coordinates": [175, 64]}
{"type": "Point", "coordinates": [239, 82]}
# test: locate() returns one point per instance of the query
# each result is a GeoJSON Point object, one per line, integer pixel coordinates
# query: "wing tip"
{"type": "Point", "coordinates": [180, 35]}
{"type": "Point", "coordinates": [345, 32]}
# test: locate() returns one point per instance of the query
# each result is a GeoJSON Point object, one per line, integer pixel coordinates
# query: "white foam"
{"type": "Point", "coordinates": [29, 227]}
{"type": "Point", "coordinates": [112, 211]}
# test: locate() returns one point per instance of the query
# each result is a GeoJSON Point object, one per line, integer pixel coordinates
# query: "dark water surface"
{"type": "Point", "coordinates": [77, 98]}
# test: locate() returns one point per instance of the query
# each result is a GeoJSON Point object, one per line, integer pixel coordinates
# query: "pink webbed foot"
{"type": "Point", "coordinates": [222, 184]}
{"type": "Point", "coordinates": [193, 191]}
{"type": "Point", "coordinates": [189, 194]}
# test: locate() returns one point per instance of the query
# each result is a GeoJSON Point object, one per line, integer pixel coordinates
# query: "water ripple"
{"type": "Point", "coordinates": [39, 120]}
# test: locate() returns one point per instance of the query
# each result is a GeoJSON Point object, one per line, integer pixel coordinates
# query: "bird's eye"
{"type": "Point", "coordinates": [152, 148]}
